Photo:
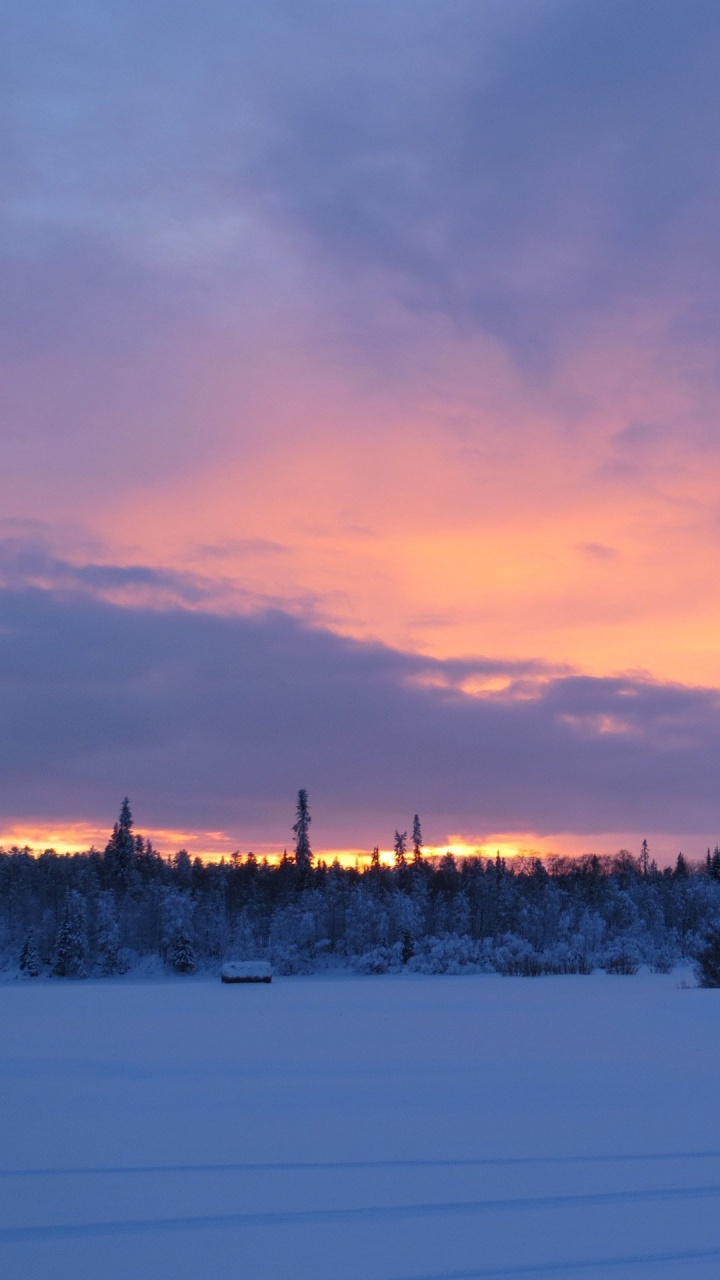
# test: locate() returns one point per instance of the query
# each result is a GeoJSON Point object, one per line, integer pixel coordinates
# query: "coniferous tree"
{"type": "Point", "coordinates": [71, 945]}
{"type": "Point", "coordinates": [177, 910]}
{"type": "Point", "coordinates": [301, 828]}
{"type": "Point", "coordinates": [708, 960]}
{"type": "Point", "coordinates": [182, 954]}
{"type": "Point", "coordinates": [417, 840]}
{"type": "Point", "coordinates": [121, 848]}
{"type": "Point", "coordinates": [681, 871]}
{"type": "Point", "coordinates": [400, 847]}
{"type": "Point", "coordinates": [22, 962]}
{"type": "Point", "coordinates": [644, 859]}
{"type": "Point", "coordinates": [108, 934]}
{"type": "Point", "coordinates": [30, 961]}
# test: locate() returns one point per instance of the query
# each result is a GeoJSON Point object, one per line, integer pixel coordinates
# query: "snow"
{"type": "Point", "coordinates": [360, 1128]}
{"type": "Point", "coordinates": [246, 971]}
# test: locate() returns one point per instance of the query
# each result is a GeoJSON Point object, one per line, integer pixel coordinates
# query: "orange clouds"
{"type": "Point", "coordinates": [485, 515]}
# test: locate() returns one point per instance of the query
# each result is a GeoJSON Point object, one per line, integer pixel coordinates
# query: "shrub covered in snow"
{"type": "Point", "coordinates": [515, 956]}
{"type": "Point", "coordinates": [708, 960]}
{"type": "Point", "coordinates": [290, 960]}
{"type": "Point", "coordinates": [450, 953]}
{"type": "Point", "coordinates": [623, 956]}
{"type": "Point", "coordinates": [379, 960]}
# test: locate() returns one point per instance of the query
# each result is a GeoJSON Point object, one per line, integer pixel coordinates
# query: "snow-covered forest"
{"type": "Point", "coordinates": [105, 913]}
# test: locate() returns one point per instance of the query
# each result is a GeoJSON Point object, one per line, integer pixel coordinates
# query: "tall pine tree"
{"type": "Point", "coordinates": [120, 850]}
{"type": "Point", "coordinates": [301, 828]}
{"type": "Point", "coordinates": [417, 840]}
{"type": "Point", "coordinates": [400, 847]}
{"type": "Point", "coordinates": [71, 944]}
{"type": "Point", "coordinates": [644, 859]}
{"type": "Point", "coordinates": [30, 961]}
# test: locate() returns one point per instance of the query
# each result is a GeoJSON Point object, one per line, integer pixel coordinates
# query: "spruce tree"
{"type": "Point", "coordinates": [303, 852]}
{"type": "Point", "coordinates": [708, 960]}
{"type": "Point", "coordinates": [30, 961]}
{"type": "Point", "coordinates": [108, 934]}
{"type": "Point", "coordinates": [71, 942]}
{"type": "Point", "coordinates": [681, 871]}
{"type": "Point", "coordinates": [644, 858]}
{"type": "Point", "coordinates": [182, 954]}
{"type": "Point", "coordinates": [121, 848]}
{"type": "Point", "coordinates": [417, 840]}
{"type": "Point", "coordinates": [400, 847]}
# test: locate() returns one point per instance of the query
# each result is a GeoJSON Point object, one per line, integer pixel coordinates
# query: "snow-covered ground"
{"type": "Point", "coordinates": [359, 1128]}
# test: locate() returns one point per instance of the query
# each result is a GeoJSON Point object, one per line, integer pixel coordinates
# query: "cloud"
{"type": "Point", "coordinates": [25, 563]}
{"type": "Point", "coordinates": [213, 723]}
{"type": "Point", "coordinates": [423, 293]}
{"type": "Point", "coordinates": [519, 169]}
{"type": "Point", "coordinates": [598, 551]}
{"type": "Point", "coordinates": [28, 560]}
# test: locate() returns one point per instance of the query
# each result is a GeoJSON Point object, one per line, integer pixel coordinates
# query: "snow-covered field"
{"type": "Point", "coordinates": [357, 1128]}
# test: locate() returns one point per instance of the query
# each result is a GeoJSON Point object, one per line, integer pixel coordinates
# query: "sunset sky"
{"type": "Point", "coordinates": [360, 388]}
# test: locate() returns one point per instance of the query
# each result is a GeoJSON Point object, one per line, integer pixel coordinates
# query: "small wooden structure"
{"type": "Point", "coordinates": [246, 971]}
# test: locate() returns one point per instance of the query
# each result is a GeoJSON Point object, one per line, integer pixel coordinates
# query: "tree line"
{"type": "Point", "coordinates": [104, 913]}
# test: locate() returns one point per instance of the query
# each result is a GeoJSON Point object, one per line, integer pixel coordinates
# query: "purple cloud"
{"type": "Point", "coordinates": [213, 723]}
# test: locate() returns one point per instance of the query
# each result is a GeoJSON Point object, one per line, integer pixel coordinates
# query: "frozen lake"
{"type": "Point", "coordinates": [360, 1129]}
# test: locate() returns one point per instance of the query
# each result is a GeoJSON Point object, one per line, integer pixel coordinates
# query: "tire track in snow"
{"type": "Point", "coordinates": [205, 1222]}
{"type": "Point", "coordinates": [583, 1264]}
{"type": "Point", "coordinates": [302, 1166]}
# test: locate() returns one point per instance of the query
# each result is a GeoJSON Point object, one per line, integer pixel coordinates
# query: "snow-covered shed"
{"type": "Point", "coordinates": [246, 971]}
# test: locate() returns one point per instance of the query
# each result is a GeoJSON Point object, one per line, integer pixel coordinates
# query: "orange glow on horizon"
{"type": "Point", "coordinates": [212, 846]}
{"type": "Point", "coordinates": [78, 837]}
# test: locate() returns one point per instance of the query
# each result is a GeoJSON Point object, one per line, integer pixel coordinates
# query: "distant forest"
{"type": "Point", "coordinates": [105, 913]}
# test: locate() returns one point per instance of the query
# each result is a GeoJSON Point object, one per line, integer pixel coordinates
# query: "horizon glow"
{"type": "Point", "coordinates": [216, 846]}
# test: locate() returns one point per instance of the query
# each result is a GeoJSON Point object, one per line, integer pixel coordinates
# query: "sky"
{"type": "Point", "coordinates": [359, 396]}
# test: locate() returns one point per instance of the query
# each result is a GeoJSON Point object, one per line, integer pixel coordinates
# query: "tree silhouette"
{"type": "Point", "coordinates": [303, 852]}
{"type": "Point", "coordinates": [417, 840]}
{"type": "Point", "coordinates": [120, 850]}
{"type": "Point", "coordinates": [644, 858]}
